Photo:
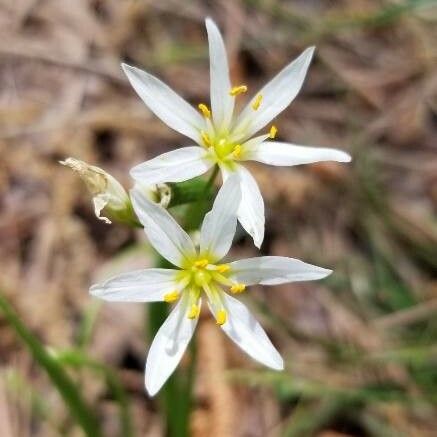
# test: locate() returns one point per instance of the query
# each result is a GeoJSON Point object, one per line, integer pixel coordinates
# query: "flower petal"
{"type": "Point", "coordinates": [168, 347]}
{"type": "Point", "coordinates": [251, 210]}
{"type": "Point", "coordinates": [162, 230]}
{"type": "Point", "coordinates": [175, 166]}
{"type": "Point", "coordinates": [272, 270]}
{"type": "Point", "coordinates": [165, 103]}
{"type": "Point", "coordinates": [247, 333]}
{"type": "Point", "coordinates": [148, 285]}
{"type": "Point", "coordinates": [99, 202]}
{"type": "Point", "coordinates": [284, 154]}
{"type": "Point", "coordinates": [218, 228]}
{"type": "Point", "coordinates": [222, 103]}
{"type": "Point", "coordinates": [276, 95]}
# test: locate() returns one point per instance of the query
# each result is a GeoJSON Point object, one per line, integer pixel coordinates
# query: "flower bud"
{"type": "Point", "coordinates": [107, 192]}
{"type": "Point", "coordinates": [159, 193]}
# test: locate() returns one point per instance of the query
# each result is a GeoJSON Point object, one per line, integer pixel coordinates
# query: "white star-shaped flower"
{"type": "Point", "coordinates": [223, 137]}
{"type": "Point", "coordinates": [200, 273]}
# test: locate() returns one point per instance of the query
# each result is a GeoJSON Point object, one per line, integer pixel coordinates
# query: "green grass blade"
{"type": "Point", "coordinates": [77, 359]}
{"type": "Point", "coordinates": [77, 406]}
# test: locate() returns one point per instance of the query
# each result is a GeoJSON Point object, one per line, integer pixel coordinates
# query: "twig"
{"type": "Point", "coordinates": [408, 316]}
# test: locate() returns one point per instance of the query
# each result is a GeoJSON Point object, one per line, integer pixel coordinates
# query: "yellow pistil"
{"type": "Point", "coordinates": [223, 268]}
{"type": "Point", "coordinates": [194, 312]}
{"type": "Point", "coordinates": [237, 151]}
{"type": "Point", "coordinates": [201, 263]}
{"type": "Point", "coordinates": [204, 110]}
{"type": "Point", "coordinates": [238, 288]}
{"type": "Point", "coordinates": [172, 296]}
{"type": "Point", "coordinates": [273, 131]}
{"type": "Point", "coordinates": [205, 138]}
{"type": "Point", "coordinates": [257, 102]}
{"type": "Point", "coordinates": [238, 90]}
{"type": "Point", "coordinates": [221, 317]}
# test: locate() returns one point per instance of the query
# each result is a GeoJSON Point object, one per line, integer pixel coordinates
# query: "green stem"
{"type": "Point", "coordinates": [197, 210]}
{"type": "Point", "coordinates": [78, 407]}
{"type": "Point", "coordinates": [176, 395]}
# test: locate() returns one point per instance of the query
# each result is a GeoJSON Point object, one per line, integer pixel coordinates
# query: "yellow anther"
{"type": "Point", "coordinates": [194, 311]}
{"type": "Point", "coordinates": [238, 288]}
{"type": "Point", "coordinates": [201, 263]}
{"type": "Point", "coordinates": [257, 102]}
{"type": "Point", "coordinates": [204, 110]}
{"type": "Point", "coordinates": [273, 131]}
{"type": "Point", "coordinates": [237, 151]}
{"type": "Point", "coordinates": [238, 90]}
{"type": "Point", "coordinates": [221, 317]}
{"type": "Point", "coordinates": [205, 138]}
{"type": "Point", "coordinates": [223, 268]}
{"type": "Point", "coordinates": [172, 296]}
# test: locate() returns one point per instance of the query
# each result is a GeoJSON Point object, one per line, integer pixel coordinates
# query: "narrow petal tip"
{"type": "Point", "coordinates": [210, 22]}
{"type": "Point", "coordinates": [279, 365]}
{"type": "Point", "coordinates": [96, 290]}
{"type": "Point", "coordinates": [309, 53]}
{"type": "Point", "coordinates": [150, 388]}
{"type": "Point", "coordinates": [258, 243]}
{"type": "Point", "coordinates": [324, 272]}
{"type": "Point", "coordinates": [126, 67]}
{"type": "Point", "coordinates": [311, 48]}
{"type": "Point", "coordinates": [345, 157]}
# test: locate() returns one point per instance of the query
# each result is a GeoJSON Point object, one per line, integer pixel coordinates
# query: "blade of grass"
{"type": "Point", "coordinates": [88, 323]}
{"type": "Point", "coordinates": [79, 409]}
{"type": "Point", "coordinates": [77, 359]}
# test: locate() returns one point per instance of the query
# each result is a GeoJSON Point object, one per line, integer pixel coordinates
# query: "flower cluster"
{"type": "Point", "coordinates": [223, 139]}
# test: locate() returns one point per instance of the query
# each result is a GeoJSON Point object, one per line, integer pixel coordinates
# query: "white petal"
{"type": "Point", "coordinates": [175, 166]}
{"type": "Point", "coordinates": [251, 210]}
{"type": "Point", "coordinates": [248, 334]}
{"type": "Point", "coordinates": [222, 103]}
{"type": "Point", "coordinates": [162, 230]}
{"type": "Point", "coordinates": [272, 270]}
{"type": "Point", "coordinates": [218, 228]}
{"type": "Point", "coordinates": [277, 95]}
{"type": "Point", "coordinates": [148, 285]}
{"type": "Point", "coordinates": [100, 201]}
{"type": "Point", "coordinates": [283, 154]}
{"type": "Point", "coordinates": [165, 103]}
{"type": "Point", "coordinates": [168, 347]}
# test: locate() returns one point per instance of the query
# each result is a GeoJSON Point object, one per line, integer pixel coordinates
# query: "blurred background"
{"type": "Point", "coordinates": [360, 347]}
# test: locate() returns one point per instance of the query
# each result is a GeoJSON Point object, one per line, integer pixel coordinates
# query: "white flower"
{"type": "Point", "coordinates": [223, 137]}
{"type": "Point", "coordinates": [110, 195]}
{"type": "Point", "coordinates": [199, 273]}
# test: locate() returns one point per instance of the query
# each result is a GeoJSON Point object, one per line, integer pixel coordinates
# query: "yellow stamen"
{"type": "Point", "coordinates": [194, 312]}
{"type": "Point", "coordinates": [238, 90]}
{"type": "Point", "coordinates": [238, 288]}
{"type": "Point", "coordinates": [205, 138]}
{"type": "Point", "coordinates": [273, 131]}
{"type": "Point", "coordinates": [237, 151]}
{"type": "Point", "coordinates": [201, 263]}
{"type": "Point", "coordinates": [172, 296]}
{"type": "Point", "coordinates": [221, 317]}
{"type": "Point", "coordinates": [257, 102]}
{"type": "Point", "coordinates": [204, 110]}
{"type": "Point", "coordinates": [223, 268]}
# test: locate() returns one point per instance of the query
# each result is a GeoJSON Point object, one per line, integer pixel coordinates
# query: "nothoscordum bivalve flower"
{"type": "Point", "coordinates": [224, 137]}
{"type": "Point", "coordinates": [109, 195]}
{"type": "Point", "coordinates": [200, 273]}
